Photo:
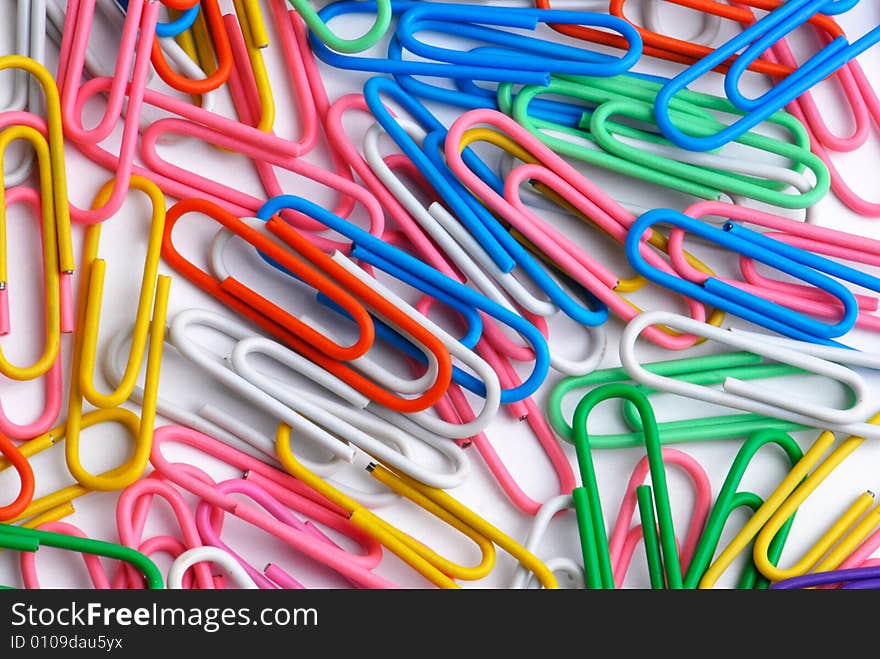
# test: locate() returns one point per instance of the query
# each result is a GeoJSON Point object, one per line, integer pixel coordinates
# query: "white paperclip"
{"type": "Point", "coordinates": [753, 397]}
{"type": "Point", "coordinates": [522, 578]}
{"type": "Point", "coordinates": [213, 555]}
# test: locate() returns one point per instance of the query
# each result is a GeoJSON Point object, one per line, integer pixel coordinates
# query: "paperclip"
{"type": "Point", "coordinates": [356, 567]}
{"type": "Point", "coordinates": [433, 567]}
{"type": "Point", "coordinates": [53, 177]}
{"type": "Point", "coordinates": [129, 83]}
{"type": "Point", "coordinates": [588, 505]}
{"type": "Point", "coordinates": [562, 179]}
{"type": "Point", "coordinates": [753, 41]}
{"type": "Point", "coordinates": [809, 268]}
{"type": "Point", "coordinates": [210, 525]}
{"type": "Point", "coordinates": [28, 560]}
{"type": "Point", "coordinates": [195, 555]}
{"type": "Point", "coordinates": [153, 295]}
{"type": "Point", "coordinates": [819, 240]}
{"type": "Point", "coordinates": [530, 63]}
{"type": "Point", "coordinates": [30, 540]}
{"type": "Point", "coordinates": [53, 318]}
{"type": "Point", "coordinates": [828, 552]}
{"type": "Point", "coordinates": [132, 509]}
{"type": "Point", "coordinates": [711, 369]}
{"type": "Point", "coordinates": [738, 394]}
{"type": "Point", "coordinates": [318, 25]}
{"type": "Point", "coordinates": [641, 155]}
{"type": "Point", "coordinates": [372, 250]}
{"type": "Point", "coordinates": [730, 498]}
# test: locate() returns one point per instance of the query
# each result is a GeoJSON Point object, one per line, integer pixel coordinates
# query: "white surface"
{"type": "Point", "coordinates": [123, 244]}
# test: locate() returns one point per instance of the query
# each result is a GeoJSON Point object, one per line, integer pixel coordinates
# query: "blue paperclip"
{"type": "Point", "coordinates": [527, 61]}
{"type": "Point", "coordinates": [756, 39]}
{"type": "Point", "coordinates": [493, 237]}
{"type": "Point", "coordinates": [592, 313]}
{"type": "Point", "coordinates": [172, 28]}
{"type": "Point", "coordinates": [808, 267]}
{"type": "Point", "coordinates": [518, 51]}
{"type": "Point", "coordinates": [381, 255]}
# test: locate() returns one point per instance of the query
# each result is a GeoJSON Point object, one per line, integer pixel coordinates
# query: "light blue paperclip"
{"type": "Point", "coordinates": [756, 39]}
{"type": "Point", "coordinates": [808, 267]}
{"type": "Point", "coordinates": [373, 250]}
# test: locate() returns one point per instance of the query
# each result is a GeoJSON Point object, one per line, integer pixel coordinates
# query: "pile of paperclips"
{"type": "Point", "coordinates": [430, 275]}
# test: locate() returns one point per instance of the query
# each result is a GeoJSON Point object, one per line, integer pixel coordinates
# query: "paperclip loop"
{"type": "Point", "coordinates": [49, 150]}
{"type": "Point", "coordinates": [814, 239]}
{"type": "Point", "coordinates": [753, 41]}
{"type": "Point", "coordinates": [196, 555]}
{"type": "Point", "coordinates": [30, 31]}
{"type": "Point", "coordinates": [564, 181]}
{"type": "Point", "coordinates": [809, 268]}
{"type": "Point", "coordinates": [30, 540]}
{"type": "Point", "coordinates": [128, 84]}
{"type": "Point", "coordinates": [428, 563]}
{"type": "Point", "coordinates": [588, 506]}
{"type": "Point", "coordinates": [711, 369]}
{"type": "Point", "coordinates": [731, 498]}
{"type": "Point", "coordinates": [132, 509]}
{"type": "Point", "coordinates": [522, 59]}
{"type": "Point", "coordinates": [850, 529]}
{"type": "Point", "coordinates": [752, 397]}
{"type": "Point", "coordinates": [355, 567]}
{"type": "Point", "coordinates": [642, 154]}
{"type": "Point", "coordinates": [52, 301]}
{"type": "Point", "coordinates": [573, 572]}
{"type": "Point", "coordinates": [370, 249]}
{"type": "Point", "coordinates": [154, 293]}
{"type": "Point", "coordinates": [317, 22]}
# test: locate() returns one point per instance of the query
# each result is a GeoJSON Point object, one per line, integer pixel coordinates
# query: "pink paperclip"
{"type": "Point", "coordinates": [355, 567]}
{"type": "Point", "coordinates": [210, 527]}
{"type": "Point", "coordinates": [137, 41]}
{"type": "Point", "coordinates": [623, 539]}
{"type": "Point", "coordinates": [575, 189]}
{"type": "Point", "coordinates": [52, 387]}
{"type": "Point", "coordinates": [819, 240]}
{"type": "Point", "coordinates": [28, 559]}
{"type": "Point", "coordinates": [132, 509]}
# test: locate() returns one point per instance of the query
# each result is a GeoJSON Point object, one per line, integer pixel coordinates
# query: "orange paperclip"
{"type": "Point", "coordinates": [299, 256]}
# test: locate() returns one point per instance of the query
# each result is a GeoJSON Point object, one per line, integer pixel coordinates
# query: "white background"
{"type": "Point", "coordinates": [123, 245]}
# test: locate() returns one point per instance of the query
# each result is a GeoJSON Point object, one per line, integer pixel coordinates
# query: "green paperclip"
{"type": "Point", "coordinates": [729, 499]}
{"type": "Point", "coordinates": [587, 502]}
{"type": "Point", "coordinates": [633, 97]}
{"type": "Point", "coordinates": [699, 370]}
{"type": "Point", "coordinates": [24, 539]}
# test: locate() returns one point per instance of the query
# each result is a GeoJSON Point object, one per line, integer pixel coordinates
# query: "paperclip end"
{"type": "Point", "coordinates": [371, 467]}
{"type": "Point", "coordinates": [871, 494]}
{"type": "Point", "coordinates": [66, 300]}
{"type": "Point", "coordinates": [4, 310]}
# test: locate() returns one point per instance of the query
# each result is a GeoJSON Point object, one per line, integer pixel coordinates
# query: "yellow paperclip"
{"type": "Point", "coordinates": [429, 564]}
{"type": "Point", "coordinates": [657, 239]}
{"type": "Point", "coordinates": [55, 143]}
{"type": "Point", "coordinates": [838, 542]}
{"type": "Point", "coordinates": [57, 502]}
{"type": "Point", "coordinates": [85, 348]}
{"type": "Point", "coordinates": [51, 272]}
